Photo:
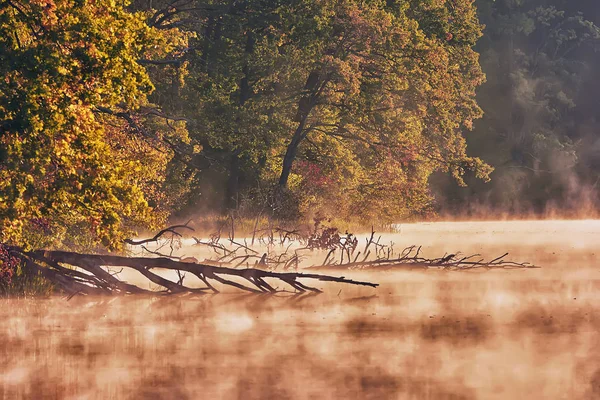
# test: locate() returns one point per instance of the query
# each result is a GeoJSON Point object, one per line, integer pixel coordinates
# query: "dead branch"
{"type": "Point", "coordinates": [409, 259]}
{"type": "Point", "coordinates": [170, 229]}
{"type": "Point", "coordinates": [90, 275]}
{"type": "Point", "coordinates": [235, 254]}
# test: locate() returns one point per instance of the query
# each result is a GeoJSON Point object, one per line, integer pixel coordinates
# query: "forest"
{"type": "Point", "coordinates": [299, 199]}
{"type": "Point", "coordinates": [120, 117]}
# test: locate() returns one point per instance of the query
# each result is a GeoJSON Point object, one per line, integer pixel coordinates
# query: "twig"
{"type": "Point", "coordinates": [171, 229]}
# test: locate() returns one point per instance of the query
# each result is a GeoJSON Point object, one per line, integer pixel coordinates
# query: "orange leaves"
{"type": "Point", "coordinates": [45, 10]}
{"type": "Point", "coordinates": [313, 174]}
{"type": "Point", "coordinates": [58, 159]}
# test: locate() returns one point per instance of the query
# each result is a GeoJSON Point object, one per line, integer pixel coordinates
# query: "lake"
{"type": "Point", "coordinates": [517, 334]}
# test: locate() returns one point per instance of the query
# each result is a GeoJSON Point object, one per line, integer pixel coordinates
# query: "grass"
{"type": "Point", "coordinates": [245, 227]}
{"type": "Point", "coordinates": [26, 284]}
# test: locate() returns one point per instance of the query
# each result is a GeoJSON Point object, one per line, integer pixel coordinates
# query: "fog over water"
{"type": "Point", "coordinates": [421, 335]}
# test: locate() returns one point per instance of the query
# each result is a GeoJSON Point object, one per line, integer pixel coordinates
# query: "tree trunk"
{"type": "Point", "coordinates": [233, 183]}
{"type": "Point", "coordinates": [314, 86]}
{"type": "Point", "coordinates": [97, 279]}
{"type": "Point", "coordinates": [291, 152]}
{"type": "Point", "coordinates": [245, 90]}
{"type": "Point", "coordinates": [208, 31]}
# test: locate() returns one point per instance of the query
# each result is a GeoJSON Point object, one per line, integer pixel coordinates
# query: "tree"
{"type": "Point", "coordinates": [540, 116]}
{"type": "Point", "coordinates": [303, 107]}
{"type": "Point", "coordinates": [70, 169]}
{"type": "Point", "coordinates": [348, 88]}
{"type": "Point", "coordinates": [378, 66]}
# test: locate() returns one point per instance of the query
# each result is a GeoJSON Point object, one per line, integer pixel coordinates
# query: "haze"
{"type": "Point", "coordinates": [421, 335]}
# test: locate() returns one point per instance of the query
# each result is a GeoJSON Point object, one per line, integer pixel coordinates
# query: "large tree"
{"type": "Point", "coordinates": [74, 158]}
{"type": "Point", "coordinates": [348, 102]}
{"type": "Point", "coordinates": [345, 107]}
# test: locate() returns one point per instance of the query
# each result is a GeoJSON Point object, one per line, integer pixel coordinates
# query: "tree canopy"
{"type": "Point", "coordinates": [116, 116]}
{"type": "Point", "coordinates": [68, 172]}
{"type": "Point", "coordinates": [338, 106]}
{"type": "Point", "coordinates": [540, 104]}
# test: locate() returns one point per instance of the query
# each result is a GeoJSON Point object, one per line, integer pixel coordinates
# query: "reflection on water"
{"type": "Point", "coordinates": [428, 335]}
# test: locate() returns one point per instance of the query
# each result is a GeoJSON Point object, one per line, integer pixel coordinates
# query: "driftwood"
{"type": "Point", "coordinates": [342, 251]}
{"type": "Point", "coordinates": [342, 254]}
{"type": "Point", "coordinates": [410, 259]}
{"type": "Point", "coordinates": [171, 229]}
{"type": "Point", "coordinates": [90, 274]}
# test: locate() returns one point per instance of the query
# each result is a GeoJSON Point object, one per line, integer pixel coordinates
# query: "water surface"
{"type": "Point", "coordinates": [421, 335]}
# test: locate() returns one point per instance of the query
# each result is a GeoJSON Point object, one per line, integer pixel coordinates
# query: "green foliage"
{"type": "Point", "coordinates": [117, 116]}
{"type": "Point", "coordinates": [347, 105]}
{"type": "Point", "coordinates": [64, 179]}
{"type": "Point", "coordinates": [26, 284]}
{"type": "Point", "coordinates": [540, 58]}
{"type": "Point", "coordinates": [16, 280]}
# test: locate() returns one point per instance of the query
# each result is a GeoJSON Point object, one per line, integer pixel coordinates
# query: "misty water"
{"type": "Point", "coordinates": [421, 335]}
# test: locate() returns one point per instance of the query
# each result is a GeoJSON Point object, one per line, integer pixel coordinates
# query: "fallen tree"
{"type": "Point", "coordinates": [91, 274]}
{"type": "Point", "coordinates": [342, 254]}
{"type": "Point", "coordinates": [410, 259]}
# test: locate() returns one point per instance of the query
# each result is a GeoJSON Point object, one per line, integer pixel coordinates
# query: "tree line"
{"type": "Point", "coordinates": [118, 116]}
{"type": "Point", "coordinates": [540, 126]}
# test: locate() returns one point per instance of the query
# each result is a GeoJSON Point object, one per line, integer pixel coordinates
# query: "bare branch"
{"type": "Point", "coordinates": [170, 229]}
{"type": "Point", "coordinates": [72, 281]}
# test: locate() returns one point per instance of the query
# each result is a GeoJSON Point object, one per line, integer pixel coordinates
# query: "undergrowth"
{"type": "Point", "coordinates": [247, 226]}
{"type": "Point", "coordinates": [18, 281]}
{"type": "Point", "coordinates": [26, 284]}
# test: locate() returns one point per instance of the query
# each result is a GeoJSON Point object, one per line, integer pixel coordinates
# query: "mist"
{"type": "Point", "coordinates": [152, 151]}
{"type": "Point", "coordinates": [539, 129]}
{"type": "Point", "coordinates": [422, 335]}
